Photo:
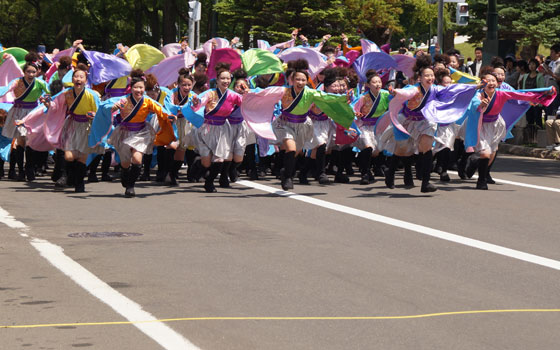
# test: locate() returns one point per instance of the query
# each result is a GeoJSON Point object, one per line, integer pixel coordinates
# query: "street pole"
{"type": "Point", "coordinates": [440, 25]}
{"type": "Point", "coordinates": [214, 29]}
{"type": "Point", "coordinates": [491, 44]}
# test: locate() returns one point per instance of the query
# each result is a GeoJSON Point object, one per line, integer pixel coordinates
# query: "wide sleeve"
{"type": "Point", "coordinates": [335, 107]}
{"type": "Point", "coordinates": [258, 109]}
{"type": "Point", "coordinates": [165, 134]}
{"type": "Point", "coordinates": [204, 98]}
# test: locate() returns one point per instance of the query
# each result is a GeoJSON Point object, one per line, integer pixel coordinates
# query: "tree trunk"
{"type": "Point", "coordinates": [154, 24]}
{"type": "Point", "coordinates": [169, 19]}
{"type": "Point", "coordinates": [138, 32]}
{"type": "Point", "coordinates": [246, 37]}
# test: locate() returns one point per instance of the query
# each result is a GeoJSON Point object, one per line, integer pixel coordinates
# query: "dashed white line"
{"type": "Point", "coordinates": [516, 254]}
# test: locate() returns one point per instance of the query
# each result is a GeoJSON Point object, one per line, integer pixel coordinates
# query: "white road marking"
{"type": "Point", "coordinates": [514, 183]}
{"type": "Point", "coordinates": [493, 248]}
{"type": "Point", "coordinates": [158, 331]}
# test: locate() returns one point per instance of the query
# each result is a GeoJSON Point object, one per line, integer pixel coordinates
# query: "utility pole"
{"type": "Point", "coordinates": [440, 25]}
{"type": "Point", "coordinates": [491, 44]}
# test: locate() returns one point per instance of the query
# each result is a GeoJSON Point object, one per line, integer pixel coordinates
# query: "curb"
{"type": "Point", "coordinates": [528, 151]}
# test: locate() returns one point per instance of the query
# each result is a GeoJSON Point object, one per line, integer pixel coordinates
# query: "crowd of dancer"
{"type": "Point", "coordinates": [320, 123]}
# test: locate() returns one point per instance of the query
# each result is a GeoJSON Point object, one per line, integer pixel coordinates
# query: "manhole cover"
{"type": "Point", "coordinates": [103, 234]}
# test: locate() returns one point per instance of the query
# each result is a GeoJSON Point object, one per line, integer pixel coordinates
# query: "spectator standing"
{"type": "Point", "coordinates": [533, 80]}
{"type": "Point", "coordinates": [474, 68]}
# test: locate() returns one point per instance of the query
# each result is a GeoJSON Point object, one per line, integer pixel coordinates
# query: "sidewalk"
{"type": "Point", "coordinates": [524, 151]}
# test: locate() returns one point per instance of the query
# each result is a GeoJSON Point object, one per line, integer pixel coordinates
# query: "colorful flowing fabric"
{"type": "Point", "coordinates": [167, 71]}
{"type": "Point", "coordinates": [5, 147]}
{"type": "Point", "coordinates": [260, 62]}
{"type": "Point", "coordinates": [317, 61]}
{"type": "Point", "coordinates": [221, 43]}
{"type": "Point", "coordinates": [143, 56]}
{"type": "Point", "coordinates": [463, 78]}
{"type": "Point", "coordinates": [443, 105]}
{"type": "Point", "coordinates": [60, 54]}
{"type": "Point", "coordinates": [511, 105]}
{"type": "Point", "coordinates": [373, 60]}
{"type": "Point", "coordinates": [21, 91]}
{"type": "Point", "coordinates": [44, 126]}
{"type": "Point", "coordinates": [9, 70]}
{"type": "Point", "coordinates": [258, 110]}
{"type": "Point", "coordinates": [334, 106]}
{"type": "Point", "coordinates": [105, 67]}
{"type": "Point", "coordinates": [263, 44]}
{"type": "Point", "coordinates": [369, 46]}
{"type": "Point", "coordinates": [218, 105]}
{"type": "Point", "coordinates": [405, 64]}
{"type": "Point", "coordinates": [17, 52]}
{"type": "Point", "coordinates": [223, 55]}
{"type": "Point", "coordinates": [173, 49]}
{"type": "Point", "coordinates": [103, 121]}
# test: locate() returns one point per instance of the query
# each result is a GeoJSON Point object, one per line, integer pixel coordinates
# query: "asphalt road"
{"type": "Point", "coordinates": [246, 252]}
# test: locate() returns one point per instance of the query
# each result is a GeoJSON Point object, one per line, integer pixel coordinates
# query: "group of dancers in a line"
{"type": "Point", "coordinates": [141, 125]}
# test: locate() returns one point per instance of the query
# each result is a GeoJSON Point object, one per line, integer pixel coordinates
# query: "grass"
{"type": "Point", "coordinates": [467, 50]}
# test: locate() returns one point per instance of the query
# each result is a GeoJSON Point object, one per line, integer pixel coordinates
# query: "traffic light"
{"type": "Point", "coordinates": [194, 10]}
{"type": "Point", "coordinates": [462, 14]}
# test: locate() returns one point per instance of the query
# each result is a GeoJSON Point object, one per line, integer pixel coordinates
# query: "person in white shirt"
{"type": "Point", "coordinates": [474, 68]}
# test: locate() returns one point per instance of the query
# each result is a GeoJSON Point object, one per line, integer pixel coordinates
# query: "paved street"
{"type": "Point", "coordinates": [334, 252]}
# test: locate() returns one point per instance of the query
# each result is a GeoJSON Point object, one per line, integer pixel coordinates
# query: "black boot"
{"type": "Point", "coordinates": [212, 174]}
{"type": "Point", "coordinates": [162, 166]}
{"type": "Point", "coordinates": [444, 156]}
{"type": "Point", "coordinates": [59, 166]}
{"type": "Point", "coordinates": [174, 172]}
{"type": "Point", "coordinates": [105, 166]}
{"type": "Point", "coordinates": [19, 161]}
{"type": "Point", "coordinates": [348, 156]}
{"type": "Point", "coordinates": [71, 173]}
{"type": "Point", "coordinates": [146, 165]}
{"type": "Point", "coordinates": [1, 168]}
{"type": "Point", "coordinates": [303, 171]}
{"type": "Point", "coordinates": [224, 174]}
{"type": "Point", "coordinates": [489, 178]}
{"type": "Point", "coordinates": [417, 159]}
{"type": "Point", "coordinates": [12, 168]}
{"type": "Point", "coordinates": [92, 168]}
{"type": "Point", "coordinates": [364, 159]}
{"type": "Point", "coordinates": [195, 171]}
{"type": "Point", "coordinates": [481, 183]}
{"type": "Point", "coordinates": [377, 164]}
{"type": "Point", "coordinates": [471, 165]}
{"type": "Point", "coordinates": [339, 162]}
{"type": "Point", "coordinates": [408, 178]}
{"type": "Point", "coordinates": [390, 173]}
{"type": "Point", "coordinates": [125, 172]}
{"type": "Point", "coordinates": [462, 164]}
{"type": "Point", "coordinates": [278, 163]}
{"type": "Point", "coordinates": [64, 168]}
{"type": "Point", "coordinates": [29, 164]}
{"type": "Point", "coordinates": [250, 160]}
{"type": "Point", "coordinates": [80, 170]}
{"type": "Point", "coordinates": [134, 172]}
{"type": "Point", "coordinates": [287, 174]}
{"type": "Point", "coordinates": [234, 171]}
{"type": "Point", "coordinates": [320, 161]}
{"type": "Point", "coordinates": [426, 169]}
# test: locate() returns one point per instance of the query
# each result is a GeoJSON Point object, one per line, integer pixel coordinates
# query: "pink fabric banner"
{"type": "Point", "coordinates": [223, 55]}
{"type": "Point", "coordinates": [317, 61]}
{"type": "Point", "coordinates": [258, 108]}
{"type": "Point", "coordinates": [167, 71]}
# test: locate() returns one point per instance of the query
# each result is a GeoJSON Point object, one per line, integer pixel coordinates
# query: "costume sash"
{"type": "Point", "coordinates": [222, 99]}
{"type": "Point", "coordinates": [424, 99]}
{"type": "Point", "coordinates": [28, 87]}
{"type": "Point", "coordinates": [182, 100]}
{"type": "Point", "coordinates": [135, 110]}
{"type": "Point", "coordinates": [491, 104]}
{"type": "Point", "coordinates": [77, 100]}
{"type": "Point", "coordinates": [295, 101]}
{"type": "Point", "coordinates": [375, 104]}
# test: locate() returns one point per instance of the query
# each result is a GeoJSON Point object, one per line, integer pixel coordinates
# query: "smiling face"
{"type": "Point", "coordinates": [300, 80]}
{"type": "Point", "coordinates": [185, 86]}
{"type": "Point", "coordinates": [223, 80]}
{"type": "Point", "coordinates": [30, 73]}
{"type": "Point", "coordinates": [334, 88]}
{"type": "Point", "coordinates": [241, 86]}
{"type": "Point", "coordinates": [138, 90]}
{"type": "Point", "coordinates": [501, 74]}
{"type": "Point", "coordinates": [427, 77]}
{"type": "Point", "coordinates": [491, 84]}
{"type": "Point", "coordinates": [453, 62]}
{"type": "Point", "coordinates": [79, 79]}
{"type": "Point", "coordinates": [375, 84]}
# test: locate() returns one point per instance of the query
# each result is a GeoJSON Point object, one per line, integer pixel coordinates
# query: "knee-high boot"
{"type": "Point", "coordinates": [224, 174]}
{"type": "Point", "coordinates": [146, 166]}
{"type": "Point", "coordinates": [320, 160]}
{"type": "Point", "coordinates": [105, 166]}
{"type": "Point", "coordinates": [426, 158]}
{"type": "Point", "coordinates": [390, 172]}
{"type": "Point", "coordinates": [287, 174]}
{"type": "Point", "coordinates": [92, 174]}
{"type": "Point", "coordinates": [80, 170]}
{"type": "Point", "coordinates": [481, 183]}
{"type": "Point", "coordinates": [444, 157]}
{"type": "Point", "coordinates": [408, 178]}
{"type": "Point", "coordinates": [212, 174]}
{"type": "Point", "coordinates": [364, 159]}
{"type": "Point", "coordinates": [29, 163]}
{"type": "Point", "coordinates": [133, 173]}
